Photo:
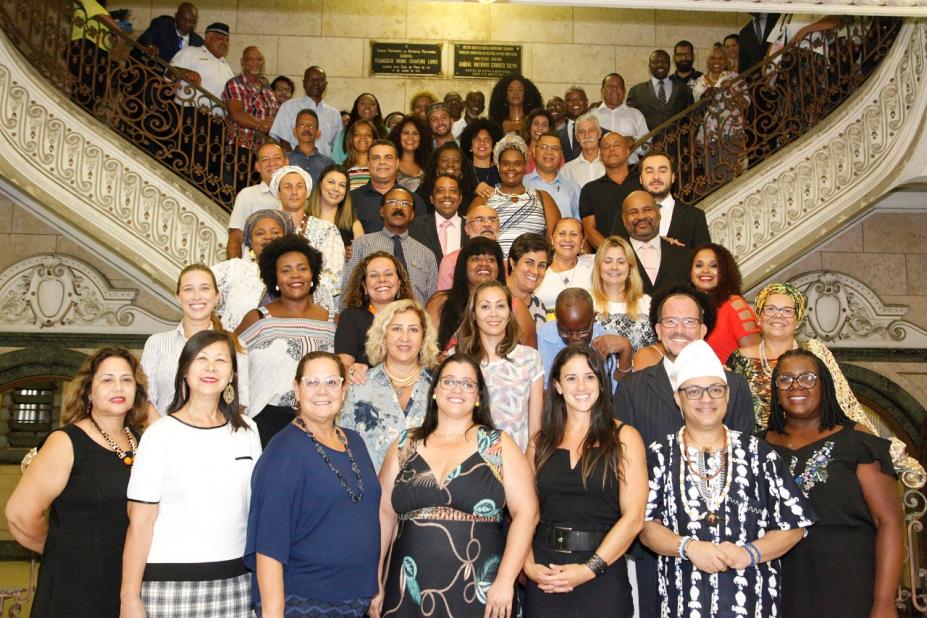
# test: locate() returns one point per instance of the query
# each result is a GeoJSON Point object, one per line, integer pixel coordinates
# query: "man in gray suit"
{"type": "Point", "coordinates": [644, 400]}
{"type": "Point", "coordinates": [661, 97]}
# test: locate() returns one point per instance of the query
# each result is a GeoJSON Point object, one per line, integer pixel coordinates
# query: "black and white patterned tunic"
{"type": "Point", "coordinates": [762, 498]}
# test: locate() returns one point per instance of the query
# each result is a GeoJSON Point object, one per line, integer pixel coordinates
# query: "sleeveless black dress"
{"type": "Point", "coordinates": [450, 538]}
{"type": "Point", "coordinates": [81, 568]}
{"type": "Point", "coordinates": [831, 572]}
{"type": "Point", "coordinates": [566, 503]}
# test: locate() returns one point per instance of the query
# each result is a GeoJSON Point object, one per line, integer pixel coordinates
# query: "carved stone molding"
{"type": "Point", "coordinates": [66, 295]}
{"type": "Point", "coordinates": [810, 189]}
{"type": "Point", "coordinates": [96, 181]}
{"type": "Point", "coordinates": [845, 313]}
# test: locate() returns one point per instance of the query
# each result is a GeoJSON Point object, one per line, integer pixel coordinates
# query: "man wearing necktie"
{"type": "Point", "coordinates": [167, 35]}
{"type": "Point", "coordinates": [661, 97]}
{"type": "Point", "coordinates": [660, 263]}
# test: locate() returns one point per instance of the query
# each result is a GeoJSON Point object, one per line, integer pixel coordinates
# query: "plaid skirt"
{"type": "Point", "coordinates": [298, 607]}
{"type": "Point", "coordinates": [218, 598]}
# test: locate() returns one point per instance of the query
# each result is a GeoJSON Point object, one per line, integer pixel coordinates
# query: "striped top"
{"type": "Point", "coordinates": [275, 346]}
{"type": "Point", "coordinates": [518, 214]}
{"type": "Point", "coordinates": [359, 175]}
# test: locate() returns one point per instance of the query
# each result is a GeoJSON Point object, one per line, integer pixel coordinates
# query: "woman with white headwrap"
{"type": "Point", "coordinates": [292, 185]}
{"type": "Point", "coordinates": [722, 507]}
{"type": "Point", "coordinates": [521, 210]}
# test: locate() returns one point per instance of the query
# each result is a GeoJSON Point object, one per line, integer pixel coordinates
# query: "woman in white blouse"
{"type": "Point", "coordinates": [567, 269]}
{"type": "Point", "coordinates": [292, 185]}
{"type": "Point", "coordinates": [197, 294]}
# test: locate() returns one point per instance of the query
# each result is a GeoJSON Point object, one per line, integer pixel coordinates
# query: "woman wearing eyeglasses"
{"type": "Point", "coordinates": [313, 485]}
{"type": "Point", "coordinates": [723, 507]}
{"type": "Point", "coordinates": [850, 562]}
{"type": "Point", "coordinates": [780, 308]}
{"type": "Point", "coordinates": [449, 484]}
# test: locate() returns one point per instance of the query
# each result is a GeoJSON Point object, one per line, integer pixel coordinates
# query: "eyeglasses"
{"type": "Point", "coordinates": [772, 311]}
{"type": "Point", "coordinates": [449, 383]}
{"type": "Point", "coordinates": [315, 383]}
{"type": "Point", "coordinates": [549, 147]}
{"type": "Point", "coordinates": [685, 322]}
{"type": "Point", "coordinates": [399, 203]}
{"type": "Point", "coordinates": [805, 380]}
{"type": "Point", "coordinates": [576, 332]}
{"type": "Point", "coordinates": [483, 220]}
{"type": "Point", "coordinates": [694, 393]}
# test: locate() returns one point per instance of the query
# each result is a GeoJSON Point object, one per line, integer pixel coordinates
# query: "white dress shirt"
{"type": "Point", "coordinates": [329, 122]}
{"type": "Point", "coordinates": [667, 85]}
{"type": "Point", "coordinates": [626, 120]}
{"type": "Point", "coordinates": [581, 171]}
{"type": "Point", "coordinates": [214, 73]}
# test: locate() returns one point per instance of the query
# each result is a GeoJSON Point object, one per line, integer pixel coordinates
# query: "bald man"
{"type": "Point", "coordinates": [168, 34]}
{"type": "Point", "coordinates": [660, 263]}
{"type": "Point", "coordinates": [250, 101]}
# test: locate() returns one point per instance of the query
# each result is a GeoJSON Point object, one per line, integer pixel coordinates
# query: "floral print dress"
{"type": "Point", "coordinates": [450, 538]}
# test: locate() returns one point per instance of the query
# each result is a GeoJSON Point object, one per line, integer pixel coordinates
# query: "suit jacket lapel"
{"type": "Point", "coordinates": [659, 384]}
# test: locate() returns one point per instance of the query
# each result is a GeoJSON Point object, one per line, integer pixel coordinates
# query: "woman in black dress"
{"type": "Point", "coordinates": [80, 477]}
{"type": "Point", "coordinates": [448, 485]}
{"type": "Point", "coordinates": [592, 485]}
{"type": "Point", "coordinates": [850, 563]}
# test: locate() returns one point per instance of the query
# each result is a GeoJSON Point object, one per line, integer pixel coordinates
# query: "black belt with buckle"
{"type": "Point", "coordinates": [568, 539]}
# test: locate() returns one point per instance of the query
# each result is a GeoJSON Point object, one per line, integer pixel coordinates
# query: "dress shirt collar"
{"type": "Point", "coordinates": [637, 244]}
{"type": "Point", "coordinates": [390, 235]}
{"type": "Point", "coordinates": [668, 202]}
{"type": "Point", "coordinates": [439, 219]}
{"type": "Point", "coordinates": [667, 84]}
{"type": "Point", "coordinates": [264, 188]}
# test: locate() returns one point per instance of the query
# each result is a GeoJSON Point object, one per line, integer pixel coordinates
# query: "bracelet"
{"type": "Point", "coordinates": [620, 370]}
{"type": "Point", "coordinates": [596, 564]}
{"type": "Point", "coordinates": [683, 546]}
{"type": "Point", "coordinates": [755, 556]}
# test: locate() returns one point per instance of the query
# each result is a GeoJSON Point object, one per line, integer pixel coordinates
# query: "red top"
{"type": "Point", "coordinates": [735, 320]}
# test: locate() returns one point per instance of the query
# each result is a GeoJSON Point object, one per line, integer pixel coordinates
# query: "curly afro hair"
{"type": "Point", "coordinates": [289, 243]}
{"type": "Point", "coordinates": [470, 131]}
{"type": "Point", "coordinates": [499, 107]}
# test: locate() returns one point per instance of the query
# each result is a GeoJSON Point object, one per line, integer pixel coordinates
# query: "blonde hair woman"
{"type": "Point", "coordinates": [618, 297]}
{"type": "Point", "coordinates": [402, 349]}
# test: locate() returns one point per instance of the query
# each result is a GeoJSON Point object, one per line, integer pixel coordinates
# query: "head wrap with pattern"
{"type": "Point", "coordinates": [786, 289]}
{"type": "Point", "coordinates": [285, 221]}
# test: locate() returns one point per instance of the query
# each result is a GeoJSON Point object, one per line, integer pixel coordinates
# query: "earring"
{"type": "Point", "coordinates": [229, 394]}
{"type": "Point", "coordinates": [397, 294]}
{"type": "Point", "coordinates": [89, 405]}
{"type": "Point", "coordinates": [477, 403]}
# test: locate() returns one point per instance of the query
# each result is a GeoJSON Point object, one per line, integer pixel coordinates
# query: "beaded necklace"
{"type": "Point", "coordinates": [712, 493]}
{"type": "Point", "coordinates": [126, 457]}
{"type": "Point", "coordinates": [355, 497]}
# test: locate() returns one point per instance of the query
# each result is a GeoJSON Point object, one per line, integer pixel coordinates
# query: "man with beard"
{"type": "Point", "coordinates": [588, 165]}
{"type": "Point", "coordinates": [661, 97]}
{"type": "Point", "coordinates": [684, 56]}
{"type": "Point", "coordinates": [600, 200]}
{"type": "Point", "coordinates": [439, 119]}
{"type": "Point", "coordinates": [441, 231]}
{"type": "Point", "coordinates": [314, 83]}
{"type": "Point", "coordinates": [577, 104]}
{"type": "Point", "coordinates": [367, 200]}
{"type": "Point", "coordinates": [397, 213]}
{"type": "Point", "coordinates": [306, 155]}
{"type": "Point", "coordinates": [659, 263]}
{"type": "Point", "coordinates": [679, 222]}
{"type": "Point", "coordinates": [474, 105]}
{"type": "Point", "coordinates": [644, 400]}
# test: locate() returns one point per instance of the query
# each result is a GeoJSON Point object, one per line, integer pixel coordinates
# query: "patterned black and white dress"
{"type": "Point", "coordinates": [762, 497]}
{"type": "Point", "coordinates": [637, 331]}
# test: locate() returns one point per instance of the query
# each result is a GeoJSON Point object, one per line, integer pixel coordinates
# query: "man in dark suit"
{"type": "Point", "coordinates": [678, 222]}
{"type": "Point", "coordinates": [577, 103]}
{"type": "Point", "coordinates": [660, 263]}
{"type": "Point", "coordinates": [168, 35]}
{"type": "Point", "coordinates": [753, 45]}
{"type": "Point", "coordinates": [645, 401]}
{"type": "Point", "coordinates": [443, 231]}
{"type": "Point", "coordinates": [661, 97]}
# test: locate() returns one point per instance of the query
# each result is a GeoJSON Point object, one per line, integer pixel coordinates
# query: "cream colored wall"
{"type": "Point", "coordinates": [560, 45]}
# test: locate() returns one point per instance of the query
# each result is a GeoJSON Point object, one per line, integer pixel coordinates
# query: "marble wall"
{"type": "Point", "coordinates": [560, 45]}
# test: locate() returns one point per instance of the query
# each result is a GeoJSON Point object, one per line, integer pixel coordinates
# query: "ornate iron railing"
{"type": "Point", "coordinates": [744, 120]}
{"type": "Point", "coordinates": [135, 93]}
{"type": "Point", "coordinates": [912, 591]}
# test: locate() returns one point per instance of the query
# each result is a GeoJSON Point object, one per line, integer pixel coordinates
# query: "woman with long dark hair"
{"type": "Point", "coordinates": [366, 107]}
{"type": "Point", "coordinates": [412, 137]}
{"type": "Point", "coordinates": [330, 201]}
{"type": "Point", "coordinates": [448, 483]}
{"type": "Point", "coordinates": [79, 478]}
{"type": "Point", "coordinates": [714, 272]}
{"type": "Point", "coordinates": [512, 98]}
{"type": "Point", "coordinates": [592, 486]}
{"type": "Point", "coordinates": [850, 562]}
{"type": "Point", "coordinates": [477, 141]}
{"type": "Point", "coordinates": [189, 462]}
